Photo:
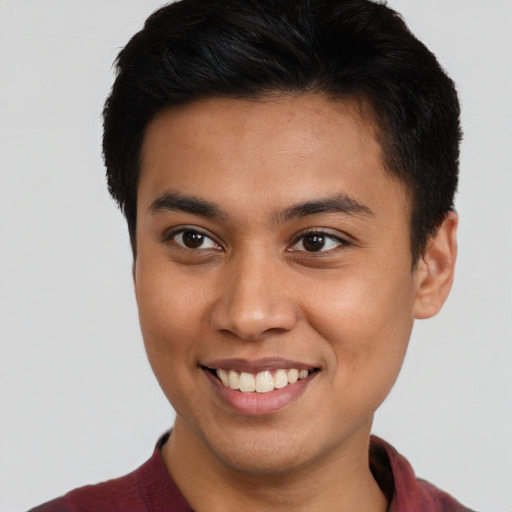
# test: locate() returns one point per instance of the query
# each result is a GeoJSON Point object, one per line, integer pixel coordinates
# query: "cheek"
{"type": "Point", "coordinates": [170, 313]}
{"type": "Point", "coordinates": [367, 320]}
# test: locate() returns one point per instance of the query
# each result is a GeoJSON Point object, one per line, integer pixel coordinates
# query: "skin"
{"type": "Point", "coordinates": [253, 290]}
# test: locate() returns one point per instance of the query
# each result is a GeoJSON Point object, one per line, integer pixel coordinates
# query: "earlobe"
{"type": "Point", "coordinates": [435, 271]}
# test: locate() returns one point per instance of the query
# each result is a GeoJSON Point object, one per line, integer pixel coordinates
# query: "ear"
{"type": "Point", "coordinates": [435, 270]}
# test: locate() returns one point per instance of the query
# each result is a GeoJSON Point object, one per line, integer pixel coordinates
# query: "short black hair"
{"type": "Point", "coordinates": [346, 49]}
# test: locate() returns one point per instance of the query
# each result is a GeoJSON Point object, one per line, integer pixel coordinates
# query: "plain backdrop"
{"type": "Point", "coordinates": [78, 401]}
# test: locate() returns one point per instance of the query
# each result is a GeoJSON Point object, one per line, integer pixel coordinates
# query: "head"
{"type": "Point", "coordinates": [348, 50]}
{"type": "Point", "coordinates": [287, 171]}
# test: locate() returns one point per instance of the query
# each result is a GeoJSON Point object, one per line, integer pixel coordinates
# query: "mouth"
{"type": "Point", "coordinates": [259, 387]}
{"type": "Point", "coordinates": [261, 382]}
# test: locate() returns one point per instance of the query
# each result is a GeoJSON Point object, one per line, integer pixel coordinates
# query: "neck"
{"type": "Point", "coordinates": [339, 481]}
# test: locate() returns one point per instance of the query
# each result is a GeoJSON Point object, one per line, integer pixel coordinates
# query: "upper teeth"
{"type": "Point", "coordinates": [262, 382]}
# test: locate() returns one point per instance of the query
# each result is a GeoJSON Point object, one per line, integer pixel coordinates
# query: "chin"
{"type": "Point", "coordinates": [268, 458]}
{"type": "Point", "coordinates": [258, 452]}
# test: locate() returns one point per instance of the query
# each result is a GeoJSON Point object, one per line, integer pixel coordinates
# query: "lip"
{"type": "Point", "coordinates": [257, 365]}
{"type": "Point", "coordinates": [254, 404]}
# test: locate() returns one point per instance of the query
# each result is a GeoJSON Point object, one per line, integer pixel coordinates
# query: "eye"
{"type": "Point", "coordinates": [192, 239]}
{"type": "Point", "coordinates": [317, 241]}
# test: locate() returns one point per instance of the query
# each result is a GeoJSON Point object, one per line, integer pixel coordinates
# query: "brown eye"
{"type": "Point", "coordinates": [317, 242]}
{"type": "Point", "coordinates": [314, 242]}
{"type": "Point", "coordinates": [191, 239]}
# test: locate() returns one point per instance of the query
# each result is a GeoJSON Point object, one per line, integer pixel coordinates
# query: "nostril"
{"type": "Point", "coordinates": [256, 324]}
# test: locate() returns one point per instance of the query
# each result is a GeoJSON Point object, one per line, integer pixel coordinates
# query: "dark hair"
{"type": "Point", "coordinates": [195, 49]}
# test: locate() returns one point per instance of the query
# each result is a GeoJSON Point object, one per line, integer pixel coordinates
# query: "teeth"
{"type": "Point", "coordinates": [223, 376]}
{"type": "Point", "coordinates": [247, 382]}
{"type": "Point", "coordinates": [293, 375]}
{"type": "Point", "coordinates": [262, 382]}
{"type": "Point", "coordinates": [303, 374]}
{"type": "Point", "coordinates": [280, 379]}
{"type": "Point", "coordinates": [234, 380]}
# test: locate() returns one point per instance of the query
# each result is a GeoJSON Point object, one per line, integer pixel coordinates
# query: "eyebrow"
{"type": "Point", "coordinates": [340, 203]}
{"type": "Point", "coordinates": [176, 201]}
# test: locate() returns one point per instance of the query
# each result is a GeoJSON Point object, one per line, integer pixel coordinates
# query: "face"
{"type": "Point", "coordinates": [271, 245]}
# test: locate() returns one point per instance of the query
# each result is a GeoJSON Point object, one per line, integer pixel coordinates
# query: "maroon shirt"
{"type": "Point", "coordinates": [151, 489]}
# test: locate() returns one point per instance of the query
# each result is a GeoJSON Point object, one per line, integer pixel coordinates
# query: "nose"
{"type": "Point", "coordinates": [253, 300]}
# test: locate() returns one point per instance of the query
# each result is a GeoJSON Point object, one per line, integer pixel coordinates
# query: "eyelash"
{"type": "Point", "coordinates": [341, 243]}
{"type": "Point", "coordinates": [171, 236]}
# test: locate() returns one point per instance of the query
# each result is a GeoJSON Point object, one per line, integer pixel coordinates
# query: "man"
{"type": "Point", "coordinates": [287, 171]}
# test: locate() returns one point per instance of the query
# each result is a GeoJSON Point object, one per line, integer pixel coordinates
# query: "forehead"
{"type": "Point", "coordinates": [264, 152]}
{"type": "Point", "coordinates": [304, 118]}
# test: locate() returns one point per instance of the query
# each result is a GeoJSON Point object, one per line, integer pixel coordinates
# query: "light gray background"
{"type": "Point", "coordinates": [78, 402]}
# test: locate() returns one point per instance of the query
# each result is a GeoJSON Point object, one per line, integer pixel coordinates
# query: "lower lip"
{"type": "Point", "coordinates": [259, 403]}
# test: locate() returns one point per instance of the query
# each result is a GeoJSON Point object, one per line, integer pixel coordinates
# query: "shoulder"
{"type": "Point", "coordinates": [119, 494]}
{"type": "Point", "coordinates": [406, 492]}
{"type": "Point", "coordinates": [150, 487]}
{"type": "Point", "coordinates": [439, 500]}
{"type": "Point", "coordinates": [58, 505]}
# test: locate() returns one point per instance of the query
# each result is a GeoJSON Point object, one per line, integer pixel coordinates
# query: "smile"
{"type": "Point", "coordinates": [261, 382]}
{"type": "Point", "coordinates": [263, 386]}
